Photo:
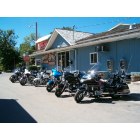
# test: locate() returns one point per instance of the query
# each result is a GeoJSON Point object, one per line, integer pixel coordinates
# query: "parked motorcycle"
{"type": "Point", "coordinates": [16, 76]}
{"type": "Point", "coordinates": [27, 77]}
{"type": "Point", "coordinates": [70, 81]}
{"type": "Point", "coordinates": [54, 80]}
{"type": "Point", "coordinates": [94, 86]}
{"type": "Point", "coordinates": [41, 79]}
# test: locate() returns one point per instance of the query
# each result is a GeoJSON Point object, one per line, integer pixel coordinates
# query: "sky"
{"type": "Point", "coordinates": [24, 26]}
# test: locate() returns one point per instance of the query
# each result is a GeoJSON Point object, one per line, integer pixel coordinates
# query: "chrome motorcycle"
{"type": "Point", "coordinates": [27, 77]}
{"type": "Point", "coordinates": [41, 79]}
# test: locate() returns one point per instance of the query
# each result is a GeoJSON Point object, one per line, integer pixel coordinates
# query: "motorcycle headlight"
{"type": "Point", "coordinates": [82, 80]}
{"type": "Point", "coordinates": [63, 79]}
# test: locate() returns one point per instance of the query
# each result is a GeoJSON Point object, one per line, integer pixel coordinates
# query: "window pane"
{"type": "Point", "coordinates": [91, 58]}
{"type": "Point", "coordinates": [67, 59]}
{"type": "Point", "coordinates": [95, 57]}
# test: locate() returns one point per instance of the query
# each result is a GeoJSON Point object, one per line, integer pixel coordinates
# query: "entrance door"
{"type": "Point", "coordinates": [63, 59]}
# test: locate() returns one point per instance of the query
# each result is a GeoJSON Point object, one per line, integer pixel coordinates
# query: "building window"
{"type": "Point", "coordinates": [38, 62]}
{"type": "Point", "coordinates": [93, 58]}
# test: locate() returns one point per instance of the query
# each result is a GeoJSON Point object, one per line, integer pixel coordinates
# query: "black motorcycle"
{"type": "Point", "coordinates": [94, 86]}
{"type": "Point", "coordinates": [70, 81]}
{"type": "Point", "coordinates": [16, 76]}
{"type": "Point", "coordinates": [27, 77]}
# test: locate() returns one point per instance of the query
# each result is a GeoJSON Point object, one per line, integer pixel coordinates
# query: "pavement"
{"type": "Point", "coordinates": [29, 104]}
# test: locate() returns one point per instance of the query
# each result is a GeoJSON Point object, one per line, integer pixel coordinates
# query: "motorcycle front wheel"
{"type": "Point", "coordinates": [13, 79]}
{"type": "Point", "coordinates": [23, 81]}
{"type": "Point", "coordinates": [49, 88]}
{"type": "Point", "coordinates": [79, 96]}
{"type": "Point", "coordinates": [58, 92]}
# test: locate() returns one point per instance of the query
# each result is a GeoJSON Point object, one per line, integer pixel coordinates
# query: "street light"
{"type": "Point", "coordinates": [36, 32]}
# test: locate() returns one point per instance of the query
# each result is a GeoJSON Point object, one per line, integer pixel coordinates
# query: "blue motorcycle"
{"type": "Point", "coordinates": [55, 79]}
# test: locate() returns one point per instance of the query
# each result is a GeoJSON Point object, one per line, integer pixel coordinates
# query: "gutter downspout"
{"type": "Point", "coordinates": [75, 59]}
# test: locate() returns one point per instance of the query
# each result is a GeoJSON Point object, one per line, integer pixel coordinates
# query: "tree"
{"type": "Point", "coordinates": [68, 28]}
{"type": "Point", "coordinates": [9, 56]}
{"type": "Point", "coordinates": [28, 46]}
{"type": "Point", "coordinates": [30, 39]}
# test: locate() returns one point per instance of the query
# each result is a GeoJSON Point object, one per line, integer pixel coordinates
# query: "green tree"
{"type": "Point", "coordinates": [28, 46]}
{"type": "Point", "coordinates": [9, 56]}
{"type": "Point", "coordinates": [30, 39]}
{"type": "Point", "coordinates": [67, 28]}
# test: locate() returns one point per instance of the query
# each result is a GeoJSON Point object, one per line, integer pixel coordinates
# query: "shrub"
{"type": "Point", "coordinates": [33, 67]}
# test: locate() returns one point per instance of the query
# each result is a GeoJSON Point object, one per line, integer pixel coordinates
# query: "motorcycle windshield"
{"type": "Point", "coordinates": [16, 70]}
{"type": "Point", "coordinates": [72, 70]}
{"type": "Point", "coordinates": [92, 72]}
{"type": "Point", "coordinates": [69, 69]}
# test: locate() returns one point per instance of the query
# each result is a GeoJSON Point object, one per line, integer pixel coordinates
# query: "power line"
{"type": "Point", "coordinates": [103, 23]}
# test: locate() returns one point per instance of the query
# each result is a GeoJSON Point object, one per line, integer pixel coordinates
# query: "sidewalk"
{"type": "Point", "coordinates": [136, 83]}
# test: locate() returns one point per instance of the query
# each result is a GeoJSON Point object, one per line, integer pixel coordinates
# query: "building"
{"type": "Point", "coordinates": [117, 48]}
{"type": "Point", "coordinates": [58, 52]}
{"type": "Point", "coordinates": [40, 46]}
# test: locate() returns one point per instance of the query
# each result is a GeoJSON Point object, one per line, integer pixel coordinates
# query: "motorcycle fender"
{"type": "Point", "coordinates": [82, 88]}
{"type": "Point", "coordinates": [61, 86]}
{"type": "Point", "coordinates": [11, 76]}
{"type": "Point", "coordinates": [14, 74]}
{"type": "Point", "coordinates": [50, 82]}
{"type": "Point", "coordinates": [36, 79]}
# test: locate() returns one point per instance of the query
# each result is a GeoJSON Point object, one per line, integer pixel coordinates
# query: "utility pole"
{"type": "Point", "coordinates": [36, 32]}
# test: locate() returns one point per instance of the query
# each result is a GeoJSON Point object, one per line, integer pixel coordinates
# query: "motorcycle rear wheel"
{"type": "Point", "coordinates": [31, 79]}
{"type": "Point", "coordinates": [36, 83]}
{"type": "Point", "coordinates": [79, 96]}
{"type": "Point", "coordinates": [115, 97]}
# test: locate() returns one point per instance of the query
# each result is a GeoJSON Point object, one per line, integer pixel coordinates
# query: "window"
{"type": "Point", "coordinates": [93, 58]}
{"type": "Point", "coordinates": [38, 62]}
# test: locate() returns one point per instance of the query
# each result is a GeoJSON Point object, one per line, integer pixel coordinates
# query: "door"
{"type": "Point", "coordinates": [63, 60]}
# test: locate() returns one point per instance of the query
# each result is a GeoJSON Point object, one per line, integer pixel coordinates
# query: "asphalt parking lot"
{"type": "Point", "coordinates": [29, 104]}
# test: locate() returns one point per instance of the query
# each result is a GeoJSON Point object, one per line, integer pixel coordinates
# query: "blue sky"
{"type": "Point", "coordinates": [47, 24]}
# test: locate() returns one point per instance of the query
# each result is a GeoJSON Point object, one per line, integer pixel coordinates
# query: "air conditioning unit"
{"type": "Point", "coordinates": [102, 48]}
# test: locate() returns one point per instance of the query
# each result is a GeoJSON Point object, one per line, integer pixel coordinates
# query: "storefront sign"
{"type": "Point", "coordinates": [26, 58]}
{"type": "Point", "coordinates": [49, 59]}
{"type": "Point", "coordinates": [41, 45]}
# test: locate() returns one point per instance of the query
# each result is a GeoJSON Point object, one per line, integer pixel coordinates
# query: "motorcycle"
{"type": "Point", "coordinates": [54, 80]}
{"type": "Point", "coordinates": [16, 76]}
{"type": "Point", "coordinates": [94, 86]}
{"type": "Point", "coordinates": [27, 77]}
{"type": "Point", "coordinates": [70, 81]}
{"type": "Point", "coordinates": [41, 79]}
